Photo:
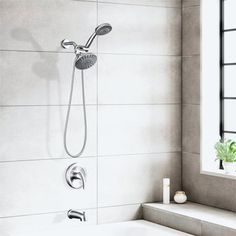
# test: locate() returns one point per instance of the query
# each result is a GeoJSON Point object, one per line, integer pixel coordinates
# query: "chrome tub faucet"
{"type": "Point", "coordinates": [76, 215]}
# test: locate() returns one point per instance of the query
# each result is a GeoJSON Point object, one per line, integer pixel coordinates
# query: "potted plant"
{"type": "Point", "coordinates": [226, 152]}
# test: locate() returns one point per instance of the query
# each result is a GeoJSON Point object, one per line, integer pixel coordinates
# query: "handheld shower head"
{"type": "Point", "coordinates": [103, 29]}
{"type": "Point", "coordinates": [100, 30]}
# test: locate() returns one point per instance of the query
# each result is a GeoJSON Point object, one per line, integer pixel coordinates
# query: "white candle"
{"type": "Point", "coordinates": [166, 191]}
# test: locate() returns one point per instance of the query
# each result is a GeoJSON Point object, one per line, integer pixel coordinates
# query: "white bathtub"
{"type": "Point", "coordinates": [130, 228]}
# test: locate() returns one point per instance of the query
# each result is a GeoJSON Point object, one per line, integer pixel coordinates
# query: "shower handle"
{"type": "Point", "coordinates": [76, 176]}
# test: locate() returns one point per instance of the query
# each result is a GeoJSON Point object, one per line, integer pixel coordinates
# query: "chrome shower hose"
{"type": "Point", "coordinates": [68, 114]}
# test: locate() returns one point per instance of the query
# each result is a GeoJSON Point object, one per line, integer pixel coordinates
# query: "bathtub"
{"type": "Point", "coordinates": [130, 228]}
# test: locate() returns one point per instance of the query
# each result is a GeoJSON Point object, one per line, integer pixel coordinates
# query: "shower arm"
{"type": "Point", "coordinates": [66, 43]}
{"type": "Point", "coordinates": [78, 48]}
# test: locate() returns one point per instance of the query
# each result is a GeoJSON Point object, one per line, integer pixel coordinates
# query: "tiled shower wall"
{"type": "Point", "coordinates": [133, 101]}
{"type": "Point", "coordinates": [208, 190]}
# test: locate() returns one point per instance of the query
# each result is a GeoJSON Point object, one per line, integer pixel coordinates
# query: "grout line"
{"type": "Point", "coordinates": [181, 92]}
{"type": "Point", "coordinates": [49, 105]}
{"type": "Point", "coordinates": [138, 154]}
{"type": "Point", "coordinates": [192, 6]}
{"type": "Point", "coordinates": [120, 205]}
{"type": "Point", "coordinates": [85, 157]}
{"type": "Point", "coordinates": [95, 104]}
{"type": "Point", "coordinates": [46, 159]}
{"type": "Point", "coordinates": [141, 5]}
{"type": "Point", "coordinates": [34, 51]}
{"type": "Point", "coordinates": [194, 153]}
{"type": "Point", "coordinates": [58, 212]}
{"type": "Point", "coordinates": [44, 213]}
{"type": "Point", "coordinates": [191, 104]}
{"type": "Point", "coordinates": [193, 55]}
{"type": "Point", "coordinates": [97, 53]}
{"type": "Point", "coordinates": [139, 54]}
{"type": "Point", "coordinates": [97, 169]}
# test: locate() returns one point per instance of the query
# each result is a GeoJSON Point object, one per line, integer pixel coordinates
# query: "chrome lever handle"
{"type": "Point", "coordinates": [76, 176]}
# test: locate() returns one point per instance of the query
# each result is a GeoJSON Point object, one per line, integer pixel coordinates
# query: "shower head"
{"type": "Point", "coordinates": [100, 30]}
{"type": "Point", "coordinates": [85, 60]}
{"type": "Point", "coordinates": [103, 29]}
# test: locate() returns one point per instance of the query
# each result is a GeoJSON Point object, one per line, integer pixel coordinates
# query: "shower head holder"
{"type": "Point", "coordinates": [65, 43]}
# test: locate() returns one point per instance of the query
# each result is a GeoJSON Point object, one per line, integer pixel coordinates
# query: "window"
{"type": "Point", "coordinates": [218, 79]}
{"type": "Point", "coordinates": [227, 69]}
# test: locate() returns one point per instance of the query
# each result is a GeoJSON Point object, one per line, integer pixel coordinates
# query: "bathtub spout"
{"type": "Point", "coordinates": [76, 215]}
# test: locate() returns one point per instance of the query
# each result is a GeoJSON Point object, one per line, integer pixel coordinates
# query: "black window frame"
{"type": "Point", "coordinates": [222, 96]}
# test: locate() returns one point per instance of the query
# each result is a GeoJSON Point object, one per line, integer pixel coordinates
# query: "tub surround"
{"type": "Point", "coordinates": [192, 218]}
{"type": "Point", "coordinates": [200, 188]}
{"type": "Point", "coordinates": [136, 125]}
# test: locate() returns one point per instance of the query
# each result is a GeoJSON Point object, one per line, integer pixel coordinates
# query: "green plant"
{"type": "Point", "coordinates": [226, 150]}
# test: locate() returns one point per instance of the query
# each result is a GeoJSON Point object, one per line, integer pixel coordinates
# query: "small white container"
{"type": "Point", "coordinates": [180, 197]}
{"type": "Point", "coordinates": [229, 167]}
{"type": "Point", "coordinates": [166, 191]}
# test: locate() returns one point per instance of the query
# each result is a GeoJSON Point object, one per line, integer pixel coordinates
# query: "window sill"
{"type": "Point", "coordinates": [218, 173]}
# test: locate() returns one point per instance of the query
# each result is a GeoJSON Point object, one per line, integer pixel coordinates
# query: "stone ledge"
{"type": "Point", "coordinates": [192, 218]}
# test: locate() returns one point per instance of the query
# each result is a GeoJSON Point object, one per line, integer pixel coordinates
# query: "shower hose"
{"type": "Point", "coordinates": [68, 114]}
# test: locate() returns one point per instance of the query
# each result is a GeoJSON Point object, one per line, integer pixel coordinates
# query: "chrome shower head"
{"type": "Point", "coordinates": [100, 30]}
{"type": "Point", "coordinates": [103, 29]}
{"type": "Point", "coordinates": [85, 60]}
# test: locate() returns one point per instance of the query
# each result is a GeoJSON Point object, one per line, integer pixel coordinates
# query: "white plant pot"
{"type": "Point", "coordinates": [229, 167]}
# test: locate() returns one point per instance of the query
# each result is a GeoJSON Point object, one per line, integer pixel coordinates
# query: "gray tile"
{"type": "Point", "coordinates": [32, 187]}
{"type": "Point", "coordinates": [185, 224]}
{"type": "Point", "coordinates": [133, 79]}
{"type": "Point", "coordinates": [209, 229]}
{"type": "Point", "coordinates": [162, 3]}
{"type": "Point", "coordinates": [189, 3]}
{"type": "Point", "coordinates": [205, 189]}
{"type": "Point", "coordinates": [191, 31]}
{"type": "Point", "coordinates": [138, 31]}
{"type": "Point", "coordinates": [136, 179]}
{"type": "Point", "coordinates": [191, 128]}
{"type": "Point", "coordinates": [135, 129]}
{"type": "Point", "coordinates": [37, 132]}
{"type": "Point", "coordinates": [50, 22]}
{"type": "Point", "coordinates": [119, 213]}
{"type": "Point", "coordinates": [191, 80]}
{"type": "Point", "coordinates": [28, 225]}
{"type": "Point", "coordinates": [150, 215]}
{"type": "Point", "coordinates": [33, 78]}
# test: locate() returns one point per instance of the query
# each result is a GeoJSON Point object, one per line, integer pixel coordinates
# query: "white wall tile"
{"type": "Point", "coordinates": [136, 179]}
{"type": "Point", "coordinates": [30, 187]}
{"type": "Point", "coordinates": [130, 79]}
{"type": "Point", "coordinates": [33, 78]}
{"type": "Point", "coordinates": [37, 132]}
{"type": "Point", "coordinates": [138, 129]}
{"type": "Point", "coordinates": [119, 213]}
{"type": "Point", "coordinates": [41, 25]}
{"type": "Point", "coordinates": [162, 3]}
{"type": "Point", "coordinates": [30, 224]}
{"type": "Point", "coordinates": [140, 30]}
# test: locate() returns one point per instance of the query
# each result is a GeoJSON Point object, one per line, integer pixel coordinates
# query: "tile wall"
{"type": "Point", "coordinates": [133, 98]}
{"type": "Point", "coordinates": [208, 190]}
